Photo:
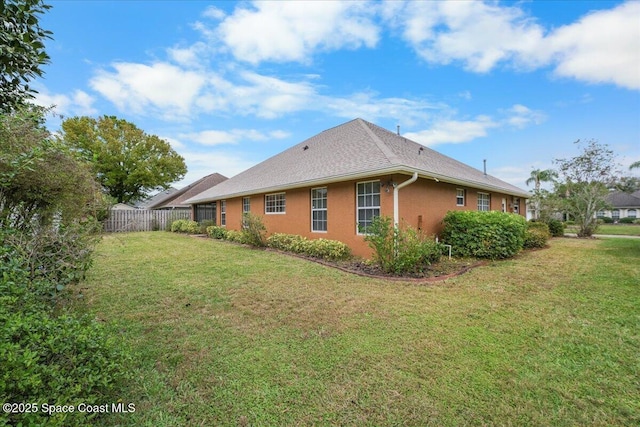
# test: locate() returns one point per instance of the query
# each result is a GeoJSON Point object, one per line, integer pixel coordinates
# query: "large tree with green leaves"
{"type": "Point", "coordinates": [585, 183]}
{"type": "Point", "coordinates": [128, 162]}
{"type": "Point", "coordinates": [22, 50]}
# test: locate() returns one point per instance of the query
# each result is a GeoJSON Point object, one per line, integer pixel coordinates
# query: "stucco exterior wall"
{"type": "Point", "coordinates": [422, 204]}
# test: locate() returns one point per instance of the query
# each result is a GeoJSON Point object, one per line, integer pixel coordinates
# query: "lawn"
{"type": "Point", "coordinates": [612, 229]}
{"type": "Point", "coordinates": [228, 335]}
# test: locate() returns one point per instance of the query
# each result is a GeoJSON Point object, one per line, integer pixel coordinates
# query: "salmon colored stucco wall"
{"type": "Point", "coordinates": [426, 198]}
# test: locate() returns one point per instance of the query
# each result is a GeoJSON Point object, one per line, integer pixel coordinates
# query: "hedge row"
{"type": "Point", "coordinates": [493, 235]}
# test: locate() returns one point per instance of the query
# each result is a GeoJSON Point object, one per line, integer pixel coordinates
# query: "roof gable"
{"type": "Point", "coordinates": [177, 199]}
{"type": "Point", "coordinates": [619, 199]}
{"type": "Point", "coordinates": [354, 149]}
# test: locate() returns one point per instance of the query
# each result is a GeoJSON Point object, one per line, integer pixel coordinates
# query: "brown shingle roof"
{"type": "Point", "coordinates": [178, 198]}
{"type": "Point", "coordinates": [353, 150]}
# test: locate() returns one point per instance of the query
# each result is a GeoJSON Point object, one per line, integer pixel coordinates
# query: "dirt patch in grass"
{"type": "Point", "coordinates": [443, 269]}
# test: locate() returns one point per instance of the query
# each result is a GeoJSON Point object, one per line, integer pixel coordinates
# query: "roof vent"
{"type": "Point", "coordinates": [305, 148]}
{"type": "Point", "coordinates": [398, 129]}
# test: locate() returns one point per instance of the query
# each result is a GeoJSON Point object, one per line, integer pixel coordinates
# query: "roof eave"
{"type": "Point", "coordinates": [356, 176]}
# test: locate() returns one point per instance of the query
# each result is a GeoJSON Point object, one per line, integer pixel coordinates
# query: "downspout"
{"type": "Point", "coordinates": [396, 189]}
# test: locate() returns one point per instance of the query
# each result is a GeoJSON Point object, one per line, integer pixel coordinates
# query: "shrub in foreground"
{"type": "Point", "coordinates": [253, 230]}
{"type": "Point", "coordinates": [492, 235]}
{"type": "Point", "coordinates": [52, 356]}
{"type": "Point", "coordinates": [216, 232]}
{"type": "Point", "coordinates": [331, 250]}
{"type": "Point", "coordinates": [556, 227]}
{"type": "Point", "coordinates": [185, 226]}
{"type": "Point", "coordinates": [536, 235]}
{"type": "Point", "coordinates": [401, 250]}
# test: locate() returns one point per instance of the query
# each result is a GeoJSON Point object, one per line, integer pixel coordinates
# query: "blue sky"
{"type": "Point", "coordinates": [230, 84]}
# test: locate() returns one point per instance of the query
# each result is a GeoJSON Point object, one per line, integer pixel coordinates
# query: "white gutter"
{"type": "Point", "coordinates": [396, 190]}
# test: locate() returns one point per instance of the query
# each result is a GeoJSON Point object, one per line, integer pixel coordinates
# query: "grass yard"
{"type": "Point", "coordinates": [228, 335]}
{"type": "Point", "coordinates": [612, 229]}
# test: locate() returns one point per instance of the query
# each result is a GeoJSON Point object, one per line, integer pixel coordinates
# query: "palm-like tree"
{"type": "Point", "coordinates": [539, 176]}
{"type": "Point", "coordinates": [635, 165]}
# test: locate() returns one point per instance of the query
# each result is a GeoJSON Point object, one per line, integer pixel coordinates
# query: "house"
{"type": "Point", "coordinates": [623, 205]}
{"type": "Point", "coordinates": [122, 207]}
{"type": "Point", "coordinates": [156, 198]}
{"type": "Point", "coordinates": [333, 184]}
{"type": "Point", "coordinates": [176, 199]}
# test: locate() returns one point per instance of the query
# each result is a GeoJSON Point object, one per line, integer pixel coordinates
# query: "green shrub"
{"type": "Point", "coordinates": [401, 250]}
{"type": "Point", "coordinates": [204, 225]}
{"type": "Point", "coordinates": [556, 227]}
{"type": "Point", "coordinates": [60, 359]}
{"type": "Point", "coordinates": [536, 235]}
{"type": "Point", "coordinates": [606, 220]}
{"type": "Point", "coordinates": [216, 232]}
{"type": "Point", "coordinates": [493, 235]}
{"type": "Point", "coordinates": [253, 230]}
{"type": "Point", "coordinates": [235, 236]}
{"type": "Point", "coordinates": [185, 226]}
{"type": "Point", "coordinates": [332, 250]}
{"type": "Point", "coordinates": [286, 242]}
{"type": "Point", "coordinates": [627, 220]}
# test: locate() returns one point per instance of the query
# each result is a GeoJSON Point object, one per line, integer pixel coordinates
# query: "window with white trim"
{"type": "Point", "coordinates": [516, 205]}
{"type": "Point", "coordinates": [484, 202]}
{"type": "Point", "coordinates": [319, 209]}
{"type": "Point", "coordinates": [246, 204]}
{"type": "Point", "coordinates": [459, 197]}
{"type": "Point", "coordinates": [631, 213]}
{"type": "Point", "coordinates": [275, 203]}
{"type": "Point", "coordinates": [223, 212]}
{"type": "Point", "coordinates": [615, 214]}
{"type": "Point", "coordinates": [368, 195]}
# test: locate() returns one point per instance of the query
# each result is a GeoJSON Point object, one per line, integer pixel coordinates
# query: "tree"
{"type": "Point", "coordinates": [126, 161]}
{"type": "Point", "coordinates": [586, 182]}
{"type": "Point", "coordinates": [22, 46]}
{"type": "Point", "coordinates": [537, 177]}
{"type": "Point", "coordinates": [40, 179]}
{"type": "Point", "coordinates": [635, 165]}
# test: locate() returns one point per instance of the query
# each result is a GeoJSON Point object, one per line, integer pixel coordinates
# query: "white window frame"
{"type": "Point", "coordinates": [319, 208]}
{"type": "Point", "coordinates": [246, 205]}
{"type": "Point", "coordinates": [460, 196]}
{"type": "Point", "coordinates": [635, 213]}
{"type": "Point", "coordinates": [371, 207]}
{"type": "Point", "coordinates": [223, 213]}
{"type": "Point", "coordinates": [482, 205]}
{"type": "Point", "coordinates": [516, 205]}
{"type": "Point", "coordinates": [277, 205]}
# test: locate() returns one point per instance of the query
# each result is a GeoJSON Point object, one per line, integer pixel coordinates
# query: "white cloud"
{"type": "Point", "coordinates": [454, 131]}
{"type": "Point", "coordinates": [520, 116]}
{"type": "Point", "coordinates": [79, 103]}
{"type": "Point", "coordinates": [294, 30]}
{"type": "Point", "coordinates": [136, 87]}
{"type": "Point", "coordinates": [478, 34]}
{"type": "Point", "coordinates": [603, 47]}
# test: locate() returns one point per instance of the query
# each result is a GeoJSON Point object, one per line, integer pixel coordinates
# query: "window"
{"type": "Point", "coordinates": [205, 212]}
{"type": "Point", "coordinates": [319, 209]}
{"type": "Point", "coordinates": [274, 203]}
{"type": "Point", "coordinates": [459, 197]}
{"type": "Point", "coordinates": [516, 205]}
{"type": "Point", "coordinates": [484, 202]}
{"type": "Point", "coordinates": [368, 204]}
{"type": "Point", "coordinates": [223, 212]}
{"type": "Point", "coordinates": [246, 204]}
{"type": "Point", "coordinates": [615, 214]}
{"type": "Point", "coordinates": [631, 213]}
{"type": "Point", "coordinates": [600, 214]}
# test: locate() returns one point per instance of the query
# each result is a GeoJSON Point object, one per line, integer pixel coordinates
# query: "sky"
{"type": "Point", "coordinates": [230, 84]}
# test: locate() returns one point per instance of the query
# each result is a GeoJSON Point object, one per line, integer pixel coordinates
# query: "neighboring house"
{"type": "Point", "coordinates": [122, 207]}
{"type": "Point", "coordinates": [176, 200]}
{"type": "Point", "coordinates": [333, 184]}
{"type": "Point", "coordinates": [623, 205]}
{"type": "Point", "coordinates": [156, 198]}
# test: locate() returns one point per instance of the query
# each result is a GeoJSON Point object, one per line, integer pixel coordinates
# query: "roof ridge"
{"type": "Point", "coordinates": [388, 153]}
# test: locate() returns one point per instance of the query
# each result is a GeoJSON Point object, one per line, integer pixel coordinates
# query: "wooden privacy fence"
{"type": "Point", "coordinates": [142, 219]}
